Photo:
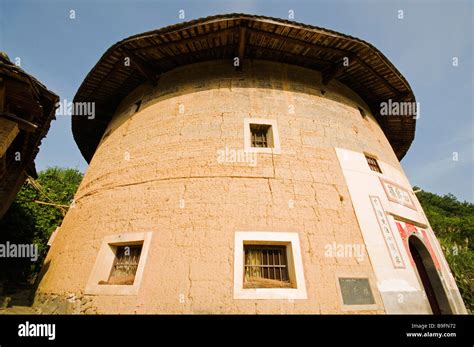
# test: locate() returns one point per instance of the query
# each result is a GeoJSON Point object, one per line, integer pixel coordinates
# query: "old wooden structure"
{"type": "Point", "coordinates": [26, 110]}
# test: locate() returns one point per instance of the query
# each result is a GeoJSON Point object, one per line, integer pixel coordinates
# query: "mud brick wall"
{"type": "Point", "coordinates": [156, 170]}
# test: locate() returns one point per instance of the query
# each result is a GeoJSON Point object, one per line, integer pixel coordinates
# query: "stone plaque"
{"type": "Point", "coordinates": [397, 194]}
{"type": "Point", "coordinates": [356, 291]}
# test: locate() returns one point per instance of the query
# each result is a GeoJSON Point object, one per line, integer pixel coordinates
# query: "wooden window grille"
{"type": "Point", "coordinates": [373, 164]}
{"type": "Point", "coordinates": [261, 135]}
{"type": "Point", "coordinates": [266, 267]}
{"type": "Point", "coordinates": [125, 264]}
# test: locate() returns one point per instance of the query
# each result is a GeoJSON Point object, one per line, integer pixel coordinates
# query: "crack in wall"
{"type": "Point", "coordinates": [190, 285]}
{"type": "Point", "coordinates": [108, 188]}
{"type": "Point", "coordinates": [273, 165]}
{"type": "Point", "coordinates": [222, 123]}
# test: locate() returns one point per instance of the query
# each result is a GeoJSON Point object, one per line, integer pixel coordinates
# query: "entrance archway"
{"type": "Point", "coordinates": [429, 277]}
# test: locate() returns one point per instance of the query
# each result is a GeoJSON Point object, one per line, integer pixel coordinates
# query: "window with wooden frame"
{"type": "Point", "coordinates": [125, 265]}
{"type": "Point", "coordinates": [266, 266]}
{"type": "Point", "coordinates": [373, 164]}
{"type": "Point", "coordinates": [261, 135]}
{"type": "Point", "coordinates": [120, 264]}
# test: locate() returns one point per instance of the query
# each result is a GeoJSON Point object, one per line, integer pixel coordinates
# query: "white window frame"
{"type": "Point", "coordinates": [276, 149]}
{"type": "Point", "coordinates": [104, 262]}
{"type": "Point", "coordinates": [294, 261]}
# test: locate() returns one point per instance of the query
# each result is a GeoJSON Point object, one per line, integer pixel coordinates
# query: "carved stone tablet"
{"type": "Point", "coordinates": [356, 291]}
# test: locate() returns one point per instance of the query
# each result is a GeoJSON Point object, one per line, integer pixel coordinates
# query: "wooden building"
{"type": "Point", "coordinates": [26, 110]}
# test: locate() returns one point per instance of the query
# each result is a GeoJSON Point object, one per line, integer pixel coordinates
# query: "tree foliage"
{"type": "Point", "coordinates": [453, 223]}
{"type": "Point", "coordinates": [28, 221]}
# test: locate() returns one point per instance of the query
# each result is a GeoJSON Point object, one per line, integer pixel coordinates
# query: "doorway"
{"type": "Point", "coordinates": [429, 277]}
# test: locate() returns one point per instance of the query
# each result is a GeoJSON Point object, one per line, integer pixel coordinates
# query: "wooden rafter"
{"type": "Point", "coordinates": [206, 36]}
{"type": "Point", "coordinates": [122, 85]}
{"type": "Point", "coordinates": [237, 31]}
{"type": "Point", "coordinates": [115, 67]}
{"type": "Point", "coordinates": [191, 55]}
{"type": "Point", "coordinates": [145, 69]}
{"type": "Point", "coordinates": [336, 69]}
{"type": "Point", "coordinates": [380, 78]}
{"type": "Point", "coordinates": [299, 42]}
{"type": "Point", "coordinates": [22, 124]}
{"type": "Point", "coordinates": [241, 52]}
{"type": "Point", "coordinates": [294, 57]}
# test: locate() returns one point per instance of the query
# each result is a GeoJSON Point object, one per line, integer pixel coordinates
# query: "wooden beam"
{"type": "Point", "coordinates": [295, 57]}
{"type": "Point", "coordinates": [236, 31]}
{"type": "Point", "coordinates": [11, 185]}
{"type": "Point", "coordinates": [299, 42]}
{"type": "Point", "coordinates": [315, 46]}
{"type": "Point", "coordinates": [185, 56]}
{"type": "Point", "coordinates": [267, 51]}
{"type": "Point", "coordinates": [22, 124]}
{"type": "Point", "coordinates": [112, 98]}
{"type": "Point", "coordinates": [241, 53]}
{"type": "Point", "coordinates": [208, 36]}
{"type": "Point", "coordinates": [403, 96]}
{"type": "Point", "coordinates": [336, 69]}
{"type": "Point", "coordinates": [145, 69]}
{"type": "Point", "coordinates": [380, 78]}
{"type": "Point", "coordinates": [116, 66]}
{"type": "Point", "coordinates": [334, 72]}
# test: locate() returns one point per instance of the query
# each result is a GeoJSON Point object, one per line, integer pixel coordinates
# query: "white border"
{"type": "Point", "coordinates": [276, 149]}
{"type": "Point", "coordinates": [104, 262]}
{"type": "Point", "coordinates": [295, 265]}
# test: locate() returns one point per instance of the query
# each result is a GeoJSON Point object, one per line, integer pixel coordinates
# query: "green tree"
{"type": "Point", "coordinates": [38, 209]}
{"type": "Point", "coordinates": [453, 223]}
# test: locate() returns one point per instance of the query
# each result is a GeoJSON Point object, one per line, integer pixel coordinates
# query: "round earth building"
{"type": "Point", "coordinates": [245, 164]}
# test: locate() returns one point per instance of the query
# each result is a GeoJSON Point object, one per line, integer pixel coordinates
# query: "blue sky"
{"type": "Point", "coordinates": [60, 52]}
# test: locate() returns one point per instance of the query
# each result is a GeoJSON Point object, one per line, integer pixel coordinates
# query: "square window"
{"type": "Point", "coordinates": [119, 266]}
{"type": "Point", "coordinates": [125, 265]}
{"type": "Point", "coordinates": [261, 136]}
{"type": "Point", "coordinates": [266, 267]}
{"type": "Point", "coordinates": [373, 164]}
